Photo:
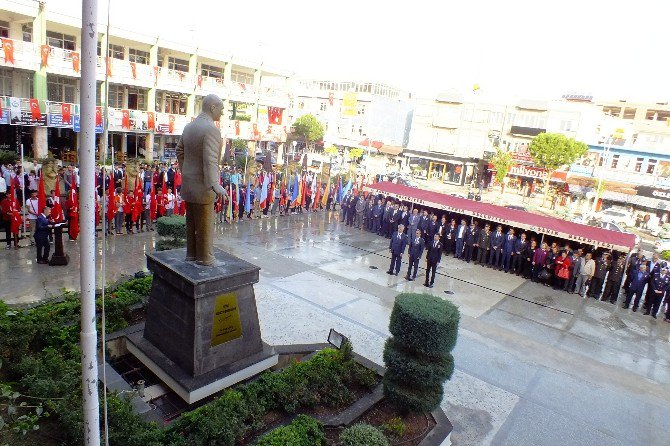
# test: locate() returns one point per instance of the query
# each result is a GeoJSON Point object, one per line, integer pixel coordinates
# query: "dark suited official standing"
{"type": "Point", "coordinates": [42, 232]}
{"type": "Point", "coordinates": [416, 247]}
{"type": "Point", "coordinates": [433, 257]}
{"type": "Point", "coordinates": [659, 283]}
{"type": "Point", "coordinates": [471, 236]}
{"type": "Point", "coordinates": [483, 244]}
{"type": "Point", "coordinates": [460, 238]}
{"type": "Point", "coordinates": [497, 240]}
{"type": "Point", "coordinates": [397, 247]}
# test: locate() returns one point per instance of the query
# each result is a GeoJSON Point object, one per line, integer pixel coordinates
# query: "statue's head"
{"type": "Point", "coordinates": [213, 106]}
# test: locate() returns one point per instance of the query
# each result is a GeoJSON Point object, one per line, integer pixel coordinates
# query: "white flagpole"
{"type": "Point", "coordinates": [87, 154]}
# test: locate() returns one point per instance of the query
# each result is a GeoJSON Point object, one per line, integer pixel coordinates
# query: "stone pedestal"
{"type": "Point", "coordinates": [202, 332]}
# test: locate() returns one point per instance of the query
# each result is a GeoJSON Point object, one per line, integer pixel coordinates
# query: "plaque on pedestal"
{"type": "Point", "coordinates": [202, 332]}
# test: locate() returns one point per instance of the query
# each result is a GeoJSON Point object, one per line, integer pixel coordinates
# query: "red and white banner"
{"type": "Point", "coordinates": [125, 119]}
{"type": "Point", "coordinates": [45, 51]}
{"type": "Point", "coordinates": [151, 120]}
{"type": "Point", "coordinates": [133, 69]}
{"type": "Point", "coordinates": [75, 61]}
{"type": "Point", "coordinates": [275, 115]}
{"type": "Point", "coordinates": [66, 113]}
{"type": "Point", "coordinates": [171, 124]}
{"type": "Point", "coordinates": [35, 109]}
{"type": "Point", "coordinates": [98, 116]}
{"type": "Point", "coordinates": [8, 48]}
{"type": "Point", "coordinates": [108, 62]}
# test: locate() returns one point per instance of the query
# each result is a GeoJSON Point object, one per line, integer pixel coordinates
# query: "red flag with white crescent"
{"type": "Point", "coordinates": [8, 48]}
{"type": "Point", "coordinates": [111, 200]}
{"type": "Point", "coordinates": [35, 109]}
{"type": "Point", "coordinates": [65, 113]}
{"type": "Point", "coordinates": [137, 210]}
{"type": "Point", "coordinates": [41, 196]}
{"type": "Point", "coordinates": [151, 120]}
{"type": "Point", "coordinates": [73, 229]}
{"type": "Point", "coordinates": [57, 211]}
{"type": "Point", "coordinates": [237, 128]}
{"type": "Point", "coordinates": [108, 62]}
{"type": "Point", "coordinates": [125, 119]}
{"type": "Point", "coordinates": [98, 116]}
{"type": "Point", "coordinates": [133, 69]}
{"type": "Point", "coordinates": [171, 124]}
{"type": "Point", "coordinates": [45, 50]}
{"type": "Point", "coordinates": [75, 61]}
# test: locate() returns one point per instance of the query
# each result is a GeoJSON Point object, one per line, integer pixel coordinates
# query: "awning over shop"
{"type": "Point", "coordinates": [390, 150]}
{"type": "Point", "coordinates": [540, 224]}
{"type": "Point", "coordinates": [375, 144]}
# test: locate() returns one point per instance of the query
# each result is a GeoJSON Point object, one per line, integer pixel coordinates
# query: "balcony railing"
{"type": "Point", "coordinates": [25, 54]}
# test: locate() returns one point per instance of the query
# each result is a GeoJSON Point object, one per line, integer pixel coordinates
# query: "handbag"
{"type": "Point", "coordinates": [563, 273]}
{"type": "Point", "coordinates": [544, 275]}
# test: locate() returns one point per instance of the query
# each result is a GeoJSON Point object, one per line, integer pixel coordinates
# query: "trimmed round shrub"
{"type": "Point", "coordinates": [404, 366]}
{"type": "Point", "coordinates": [169, 243]}
{"type": "Point", "coordinates": [303, 431]}
{"type": "Point", "coordinates": [174, 227]}
{"type": "Point", "coordinates": [425, 323]}
{"type": "Point", "coordinates": [413, 398]}
{"type": "Point", "coordinates": [417, 358]}
{"type": "Point", "coordinates": [362, 434]}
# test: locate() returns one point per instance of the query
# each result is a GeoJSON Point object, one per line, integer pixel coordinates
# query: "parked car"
{"type": "Point", "coordinates": [618, 228]}
{"type": "Point", "coordinates": [662, 245]}
{"type": "Point", "coordinates": [615, 215]}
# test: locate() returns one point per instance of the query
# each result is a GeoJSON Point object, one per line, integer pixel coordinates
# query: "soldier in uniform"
{"type": "Point", "coordinates": [483, 244]}
{"type": "Point", "coordinates": [659, 283]}
{"type": "Point", "coordinates": [471, 236]}
{"type": "Point", "coordinates": [613, 283]}
{"type": "Point", "coordinates": [596, 286]}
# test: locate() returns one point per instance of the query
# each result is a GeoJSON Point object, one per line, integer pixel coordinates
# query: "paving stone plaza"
{"type": "Point", "coordinates": [533, 366]}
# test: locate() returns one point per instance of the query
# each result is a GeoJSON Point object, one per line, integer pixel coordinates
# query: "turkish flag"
{"type": "Point", "coordinates": [171, 124]}
{"type": "Point", "coordinates": [274, 115]}
{"type": "Point", "coordinates": [98, 116]}
{"type": "Point", "coordinates": [256, 133]}
{"type": "Point", "coordinates": [108, 62]}
{"type": "Point", "coordinates": [125, 119]}
{"type": "Point", "coordinates": [157, 70]}
{"type": "Point", "coordinates": [75, 61]}
{"type": "Point", "coordinates": [41, 196]}
{"type": "Point", "coordinates": [237, 128]}
{"type": "Point", "coordinates": [73, 205]}
{"type": "Point", "coordinates": [35, 109]}
{"type": "Point", "coordinates": [57, 211]}
{"type": "Point", "coordinates": [137, 210]}
{"type": "Point", "coordinates": [111, 200]}
{"type": "Point", "coordinates": [151, 123]}
{"type": "Point", "coordinates": [152, 205]}
{"type": "Point", "coordinates": [331, 98]}
{"type": "Point", "coordinates": [133, 69]}
{"type": "Point", "coordinates": [45, 50]}
{"type": "Point", "coordinates": [8, 47]}
{"type": "Point", "coordinates": [65, 112]}
{"type": "Point", "coordinates": [200, 81]}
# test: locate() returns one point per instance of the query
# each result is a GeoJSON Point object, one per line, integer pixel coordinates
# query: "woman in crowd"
{"type": "Point", "coordinates": [562, 270]}
{"type": "Point", "coordinates": [539, 257]}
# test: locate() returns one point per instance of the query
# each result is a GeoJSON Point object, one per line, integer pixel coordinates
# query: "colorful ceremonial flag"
{"type": "Point", "coordinates": [153, 206]}
{"type": "Point", "coordinates": [66, 113]}
{"type": "Point", "coordinates": [247, 201]}
{"type": "Point", "coordinates": [339, 189]}
{"type": "Point", "coordinates": [73, 205]}
{"type": "Point", "coordinates": [8, 48]}
{"type": "Point", "coordinates": [324, 199]}
{"type": "Point", "coordinates": [45, 50]}
{"type": "Point", "coordinates": [346, 190]}
{"type": "Point", "coordinates": [111, 201]}
{"type": "Point", "coordinates": [75, 61]}
{"type": "Point", "coordinates": [35, 109]}
{"type": "Point", "coordinates": [16, 215]}
{"type": "Point", "coordinates": [41, 196]}
{"type": "Point", "coordinates": [137, 209]}
{"type": "Point", "coordinates": [317, 196]}
{"type": "Point", "coordinates": [263, 199]}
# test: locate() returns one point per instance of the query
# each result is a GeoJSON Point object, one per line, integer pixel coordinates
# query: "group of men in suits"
{"type": "Point", "coordinates": [417, 245]}
{"type": "Point", "coordinates": [650, 275]}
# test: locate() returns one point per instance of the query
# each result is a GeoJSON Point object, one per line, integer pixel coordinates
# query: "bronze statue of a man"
{"type": "Point", "coordinates": [198, 153]}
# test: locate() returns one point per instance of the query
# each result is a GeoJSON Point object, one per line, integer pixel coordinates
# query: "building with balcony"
{"type": "Point", "coordinates": [354, 113]}
{"type": "Point", "coordinates": [155, 87]}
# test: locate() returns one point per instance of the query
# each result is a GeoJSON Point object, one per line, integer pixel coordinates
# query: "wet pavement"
{"type": "Point", "coordinates": [533, 366]}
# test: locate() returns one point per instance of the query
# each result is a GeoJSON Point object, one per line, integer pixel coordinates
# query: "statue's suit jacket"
{"type": "Point", "coordinates": [200, 161]}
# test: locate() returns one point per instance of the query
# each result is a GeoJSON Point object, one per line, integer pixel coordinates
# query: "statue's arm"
{"type": "Point", "coordinates": [211, 156]}
{"type": "Point", "coordinates": [180, 152]}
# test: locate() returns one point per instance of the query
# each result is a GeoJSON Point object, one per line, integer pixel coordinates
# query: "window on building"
{"type": "Point", "coordinates": [5, 82]}
{"type": "Point", "coordinates": [177, 64]}
{"type": "Point", "coordinates": [60, 40]}
{"type": "Point", "coordinates": [138, 56]}
{"type": "Point", "coordinates": [137, 98]}
{"type": "Point", "coordinates": [638, 164]}
{"type": "Point", "coordinates": [211, 71]}
{"type": "Point", "coordinates": [360, 130]}
{"type": "Point", "coordinates": [116, 51]}
{"type": "Point", "coordinates": [615, 161]}
{"type": "Point", "coordinates": [115, 96]}
{"type": "Point", "coordinates": [651, 166]}
{"type": "Point", "coordinates": [657, 115]}
{"type": "Point", "coordinates": [61, 89]}
{"type": "Point", "coordinates": [27, 30]}
{"type": "Point", "coordinates": [612, 111]}
{"type": "Point", "coordinates": [567, 125]}
{"type": "Point", "coordinates": [241, 77]}
{"type": "Point", "coordinates": [175, 103]}
{"type": "Point", "coordinates": [4, 29]}
{"type": "Point", "coordinates": [322, 105]}
{"type": "Point", "coordinates": [629, 113]}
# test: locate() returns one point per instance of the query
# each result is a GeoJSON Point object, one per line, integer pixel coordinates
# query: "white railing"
{"type": "Point", "coordinates": [26, 55]}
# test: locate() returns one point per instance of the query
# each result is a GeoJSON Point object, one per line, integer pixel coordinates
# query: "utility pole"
{"type": "Point", "coordinates": [87, 155]}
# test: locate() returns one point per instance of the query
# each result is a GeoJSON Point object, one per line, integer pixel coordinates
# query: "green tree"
{"type": "Point", "coordinates": [309, 128]}
{"type": "Point", "coordinates": [502, 161]}
{"type": "Point", "coordinates": [239, 144]}
{"type": "Point", "coordinates": [355, 153]}
{"type": "Point", "coordinates": [331, 151]}
{"type": "Point", "coordinates": [553, 150]}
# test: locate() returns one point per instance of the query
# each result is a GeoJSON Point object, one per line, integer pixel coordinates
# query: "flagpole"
{"type": "Point", "coordinates": [23, 197]}
{"type": "Point", "coordinates": [89, 335]}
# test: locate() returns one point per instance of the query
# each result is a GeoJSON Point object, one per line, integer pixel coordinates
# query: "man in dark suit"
{"type": "Point", "coordinates": [471, 236]}
{"type": "Point", "coordinates": [519, 247]}
{"type": "Point", "coordinates": [404, 218]}
{"type": "Point", "coordinates": [433, 257]}
{"type": "Point", "coordinates": [397, 248]}
{"type": "Point", "coordinates": [42, 232]}
{"type": "Point", "coordinates": [460, 238]}
{"type": "Point", "coordinates": [170, 177]}
{"type": "Point", "coordinates": [377, 213]}
{"type": "Point", "coordinates": [423, 222]}
{"type": "Point", "coordinates": [638, 280]}
{"type": "Point", "coordinates": [508, 250]}
{"type": "Point", "coordinates": [483, 244]}
{"type": "Point", "coordinates": [450, 237]}
{"type": "Point", "coordinates": [394, 219]}
{"type": "Point", "coordinates": [497, 240]}
{"type": "Point", "coordinates": [386, 219]}
{"type": "Point", "coordinates": [416, 247]}
{"type": "Point", "coordinates": [431, 229]}
{"type": "Point", "coordinates": [659, 282]}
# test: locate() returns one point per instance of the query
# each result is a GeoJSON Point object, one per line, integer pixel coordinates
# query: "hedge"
{"type": "Point", "coordinates": [174, 226]}
{"type": "Point", "coordinates": [303, 431]}
{"type": "Point", "coordinates": [417, 356]}
{"type": "Point", "coordinates": [167, 244]}
{"type": "Point", "coordinates": [362, 434]}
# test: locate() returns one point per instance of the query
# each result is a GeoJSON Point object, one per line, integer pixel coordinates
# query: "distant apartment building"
{"type": "Point", "coordinates": [355, 113]}
{"type": "Point", "coordinates": [155, 87]}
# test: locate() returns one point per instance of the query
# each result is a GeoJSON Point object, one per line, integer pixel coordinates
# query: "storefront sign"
{"type": "Point", "coordinates": [24, 117]}
{"type": "Point", "coordinates": [55, 120]}
{"type": "Point", "coordinates": [76, 126]}
{"type": "Point", "coordinates": [652, 192]}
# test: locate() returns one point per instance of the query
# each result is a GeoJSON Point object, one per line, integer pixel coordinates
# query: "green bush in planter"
{"type": "Point", "coordinates": [303, 431]}
{"type": "Point", "coordinates": [362, 434]}
{"type": "Point", "coordinates": [173, 229]}
{"type": "Point", "coordinates": [417, 356]}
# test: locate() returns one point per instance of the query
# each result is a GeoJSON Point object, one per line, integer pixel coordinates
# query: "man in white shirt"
{"type": "Point", "coordinates": [3, 185]}
{"type": "Point", "coordinates": [169, 205]}
{"type": "Point", "coordinates": [32, 207]}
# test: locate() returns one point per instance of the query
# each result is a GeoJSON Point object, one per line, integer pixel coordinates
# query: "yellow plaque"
{"type": "Point", "coordinates": [226, 325]}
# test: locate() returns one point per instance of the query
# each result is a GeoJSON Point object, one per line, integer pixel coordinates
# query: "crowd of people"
{"type": "Point", "coordinates": [584, 270]}
{"type": "Point", "coordinates": [155, 192]}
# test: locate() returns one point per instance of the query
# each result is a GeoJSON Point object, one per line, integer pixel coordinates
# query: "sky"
{"type": "Point", "coordinates": [511, 49]}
